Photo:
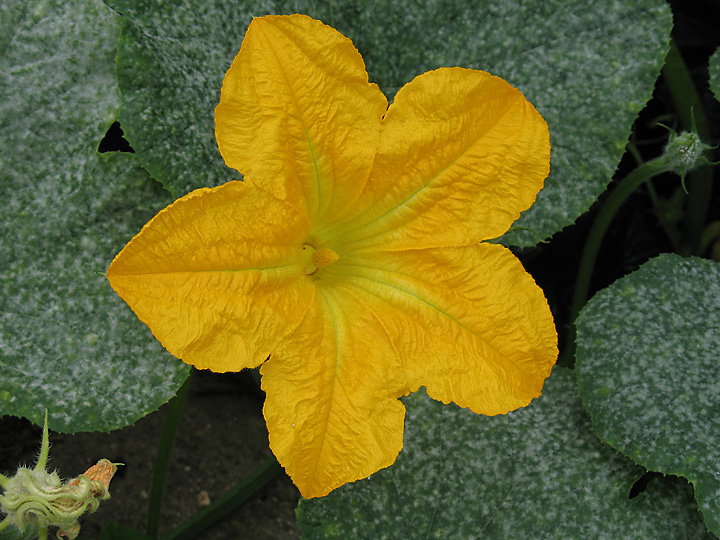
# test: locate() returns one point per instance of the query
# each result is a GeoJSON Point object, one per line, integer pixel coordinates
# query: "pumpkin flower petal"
{"type": "Point", "coordinates": [469, 323]}
{"type": "Point", "coordinates": [297, 114]}
{"type": "Point", "coordinates": [217, 275]}
{"type": "Point", "coordinates": [331, 402]}
{"type": "Point", "coordinates": [350, 255]}
{"type": "Point", "coordinates": [461, 154]}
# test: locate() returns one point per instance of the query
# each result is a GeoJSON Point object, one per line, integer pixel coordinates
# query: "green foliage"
{"type": "Point", "coordinates": [714, 70]}
{"type": "Point", "coordinates": [588, 68]}
{"type": "Point", "coordinates": [13, 533]}
{"type": "Point", "coordinates": [647, 346]}
{"type": "Point", "coordinates": [648, 371]}
{"type": "Point", "coordinates": [67, 343]}
{"type": "Point", "coordinates": [538, 472]}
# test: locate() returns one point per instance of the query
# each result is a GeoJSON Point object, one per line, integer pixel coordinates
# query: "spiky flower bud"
{"type": "Point", "coordinates": [36, 497]}
{"type": "Point", "coordinates": [685, 151]}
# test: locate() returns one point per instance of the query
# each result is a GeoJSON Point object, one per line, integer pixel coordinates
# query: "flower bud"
{"type": "Point", "coordinates": [684, 152]}
{"type": "Point", "coordinates": [36, 497]}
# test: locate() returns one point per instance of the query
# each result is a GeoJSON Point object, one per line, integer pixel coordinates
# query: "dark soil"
{"type": "Point", "coordinates": [221, 439]}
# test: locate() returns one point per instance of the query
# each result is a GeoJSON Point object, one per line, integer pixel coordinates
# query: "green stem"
{"type": "Point", "coordinates": [236, 496]}
{"type": "Point", "coordinates": [667, 224]}
{"type": "Point", "coordinates": [592, 245]}
{"type": "Point", "coordinates": [692, 116]}
{"type": "Point", "coordinates": [683, 93]}
{"type": "Point", "coordinates": [163, 458]}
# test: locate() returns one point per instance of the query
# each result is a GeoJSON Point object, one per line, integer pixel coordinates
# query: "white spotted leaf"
{"type": "Point", "coordinates": [648, 367]}
{"type": "Point", "coordinates": [538, 472]}
{"type": "Point", "coordinates": [67, 342]}
{"type": "Point", "coordinates": [589, 68]}
{"type": "Point", "coordinates": [714, 70]}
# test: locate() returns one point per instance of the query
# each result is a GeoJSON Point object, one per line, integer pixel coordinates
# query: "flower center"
{"type": "Point", "coordinates": [316, 258]}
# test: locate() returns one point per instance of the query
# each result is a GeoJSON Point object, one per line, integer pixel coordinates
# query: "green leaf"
{"type": "Point", "coordinates": [538, 472]}
{"type": "Point", "coordinates": [13, 533]}
{"type": "Point", "coordinates": [714, 69]}
{"type": "Point", "coordinates": [10, 14]}
{"type": "Point", "coordinates": [67, 342]}
{"type": "Point", "coordinates": [649, 371]}
{"type": "Point", "coordinates": [589, 68]}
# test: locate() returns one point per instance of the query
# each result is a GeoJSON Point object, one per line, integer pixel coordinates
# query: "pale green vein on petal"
{"type": "Point", "coordinates": [191, 272]}
{"type": "Point", "coordinates": [375, 277]}
{"type": "Point", "coordinates": [363, 231]}
{"type": "Point", "coordinates": [319, 197]}
{"type": "Point", "coordinates": [333, 316]}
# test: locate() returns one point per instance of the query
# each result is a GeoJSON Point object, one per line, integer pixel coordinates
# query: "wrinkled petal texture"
{"type": "Point", "coordinates": [298, 116]}
{"type": "Point", "coordinates": [403, 195]}
{"type": "Point", "coordinates": [331, 395]}
{"type": "Point", "coordinates": [467, 322]}
{"type": "Point", "coordinates": [461, 154]}
{"type": "Point", "coordinates": [386, 323]}
{"type": "Point", "coordinates": [217, 276]}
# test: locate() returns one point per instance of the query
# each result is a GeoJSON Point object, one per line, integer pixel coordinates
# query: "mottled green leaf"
{"type": "Point", "coordinates": [714, 70]}
{"type": "Point", "coordinates": [648, 364]}
{"type": "Point", "coordinates": [589, 68]}
{"type": "Point", "coordinates": [10, 15]}
{"type": "Point", "coordinates": [67, 342]}
{"type": "Point", "coordinates": [538, 472]}
{"type": "Point", "coordinates": [13, 533]}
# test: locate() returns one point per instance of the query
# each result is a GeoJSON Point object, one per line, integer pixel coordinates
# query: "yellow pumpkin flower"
{"type": "Point", "coordinates": [349, 262]}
